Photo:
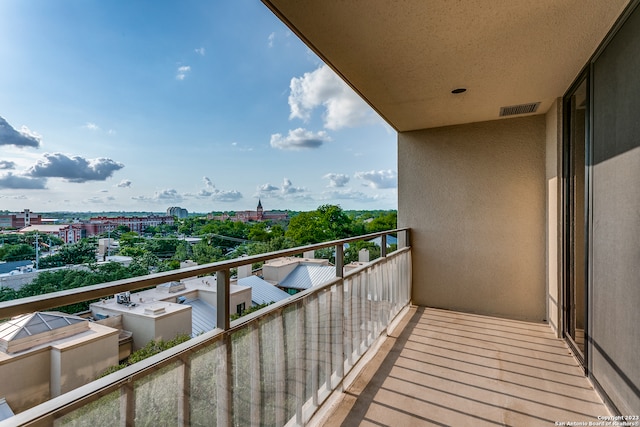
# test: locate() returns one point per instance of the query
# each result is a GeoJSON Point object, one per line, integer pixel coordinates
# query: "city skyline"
{"type": "Point", "coordinates": [120, 107]}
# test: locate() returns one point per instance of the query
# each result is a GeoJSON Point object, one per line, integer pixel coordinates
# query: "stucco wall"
{"type": "Point", "coordinates": [25, 380]}
{"type": "Point", "coordinates": [475, 198]}
{"type": "Point", "coordinates": [77, 365]}
{"type": "Point", "coordinates": [615, 240]}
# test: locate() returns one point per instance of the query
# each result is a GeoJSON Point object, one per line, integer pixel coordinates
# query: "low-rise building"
{"type": "Point", "coordinates": [45, 354]}
{"type": "Point", "coordinates": [69, 233]}
{"type": "Point", "coordinates": [20, 220]}
{"type": "Point", "coordinates": [292, 274]}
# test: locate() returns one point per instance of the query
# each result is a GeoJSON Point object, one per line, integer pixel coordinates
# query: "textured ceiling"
{"type": "Point", "coordinates": [405, 57]}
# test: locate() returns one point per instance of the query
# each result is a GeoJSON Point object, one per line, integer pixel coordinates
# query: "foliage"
{"type": "Point", "coordinates": [328, 222]}
{"type": "Point", "coordinates": [162, 247]}
{"type": "Point", "coordinates": [60, 280]}
{"type": "Point", "coordinates": [17, 252]}
{"type": "Point", "coordinates": [81, 252]}
{"type": "Point", "coordinates": [204, 252]}
{"type": "Point", "coordinates": [387, 221]}
{"type": "Point", "coordinates": [152, 348]}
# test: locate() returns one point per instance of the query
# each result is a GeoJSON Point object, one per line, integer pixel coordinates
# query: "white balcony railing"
{"type": "Point", "coordinates": [273, 367]}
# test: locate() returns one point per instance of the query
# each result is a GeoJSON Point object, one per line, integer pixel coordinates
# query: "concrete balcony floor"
{"type": "Point", "coordinates": [447, 368]}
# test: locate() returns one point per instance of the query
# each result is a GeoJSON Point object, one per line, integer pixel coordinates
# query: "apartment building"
{"type": "Point", "coordinates": [518, 164]}
{"type": "Point", "coordinates": [20, 220]}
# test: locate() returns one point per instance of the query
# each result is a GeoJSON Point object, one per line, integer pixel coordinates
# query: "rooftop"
{"type": "Point", "coordinates": [306, 276]}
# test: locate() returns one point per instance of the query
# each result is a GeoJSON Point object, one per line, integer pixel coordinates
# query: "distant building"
{"type": "Point", "coordinates": [69, 233]}
{"type": "Point", "coordinates": [103, 224]}
{"type": "Point", "coordinates": [20, 220]}
{"type": "Point", "coordinates": [177, 212]}
{"type": "Point", "coordinates": [258, 215]}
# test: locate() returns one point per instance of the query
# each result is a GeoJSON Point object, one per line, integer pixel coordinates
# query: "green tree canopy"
{"type": "Point", "coordinates": [328, 222]}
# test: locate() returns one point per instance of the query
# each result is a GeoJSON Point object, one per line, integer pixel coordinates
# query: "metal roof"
{"type": "Point", "coordinates": [7, 267]}
{"type": "Point", "coordinates": [203, 316]}
{"type": "Point", "coordinates": [5, 410]}
{"type": "Point", "coordinates": [262, 292]}
{"type": "Point", "coordinates": [391, 240]}
{"type": "Point", "coordinates": [308, 276]}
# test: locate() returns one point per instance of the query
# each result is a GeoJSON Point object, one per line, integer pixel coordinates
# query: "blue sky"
{"type": "Point", "coordinates": [120, 105]}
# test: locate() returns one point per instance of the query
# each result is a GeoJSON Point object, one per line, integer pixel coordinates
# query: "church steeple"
{"type": "Point", "coordinates": [259, 210]}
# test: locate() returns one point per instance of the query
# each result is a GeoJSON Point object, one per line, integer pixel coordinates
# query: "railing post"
{"type": "Point", "coordinates": [281, 370]}
{"type": "Point", "coordinates": [224, 407]}
{"type": "Point", "coordinates": [314, 350]}
{"type": "Point", "coordinates": [184, 389]}
{"type": "Point", "coordinates": [225, 378]}
{"type": "Point", "coordinates": [342, 322]}
{"type": "Point", "coordinates": [256, 376]}
{"type": "Point", "coordinates": [339, 260]}
{"type": "Point", "coordinates": [222, 288]}
{"type": "Point", "coordinates": [300, 361]}
{"type": "Point", "coordinates": [127, 405]}
{"type": "Point", "coordinates": [383, 246]}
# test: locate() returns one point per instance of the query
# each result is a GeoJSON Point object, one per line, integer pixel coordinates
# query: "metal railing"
{"type": "Point", "coordinates": [273, 367]}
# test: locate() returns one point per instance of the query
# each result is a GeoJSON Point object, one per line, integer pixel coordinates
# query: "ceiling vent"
{"type": "Point", "coordinates": [519, 109]}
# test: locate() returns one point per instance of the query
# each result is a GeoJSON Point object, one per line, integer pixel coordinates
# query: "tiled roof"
{"type": "Point", "coordinates": [262, 292]}
{"type": "Point", "coordinates": [308, 276]}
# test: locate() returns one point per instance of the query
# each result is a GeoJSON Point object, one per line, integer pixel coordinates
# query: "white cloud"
{"type": "Point", "coordinates": [299, 139]}
{"type": "Point", "coordinates": [100, 200]}
{"type": "Point", "coordinates": [91, 126]}
{"type": "Point", "coordinates": [348, 194]}
{"type": "Point", "coordinates": [20, 138]}
{"type": "Point", "coordinates": [125, 183]}
{"type": "Point", "coordinates": [288, 187]}
{"type": "Point", "coordinates": [73, 168]}
{"type": "Point", "coordinates": [270, 39]}
{"type": "Point", "coordinates": [218, 195]}
{"type": "Point", "coordinates": [181, 74]}
{"type": "Point", "coordinates": [200, 51]}
{"type": "Point", "coordinates": [166, 195]}
{"type": "Point", "coordinates": [323, 88]}
{"type": "Point", "coordinates": [379, 179]}
{"type": "Point", "coordinates": [286, 191]}
{"type": "Point", "coordinates": [7, 164]}
{"type": "Point", "coordinates": [11, 181]}
{"type": "Point", "coordinates": [337, 179]}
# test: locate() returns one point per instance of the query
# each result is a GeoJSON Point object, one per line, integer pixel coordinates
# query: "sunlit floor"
{"type": "Point", "coordinates": [447, 368]}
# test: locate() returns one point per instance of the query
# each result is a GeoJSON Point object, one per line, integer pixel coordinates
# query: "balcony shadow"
{"type": "Point", "coordinates": [428, 374]}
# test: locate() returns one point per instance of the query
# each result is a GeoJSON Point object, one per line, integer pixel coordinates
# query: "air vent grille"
{"type": "Point", "coordinates": [519, 109]}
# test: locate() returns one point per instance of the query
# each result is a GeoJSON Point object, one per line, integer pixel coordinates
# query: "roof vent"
{"type": "Point", "coordinates": [519, 109]}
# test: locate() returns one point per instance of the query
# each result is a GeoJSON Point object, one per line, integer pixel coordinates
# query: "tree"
{"type": "Point", "coordinates": [162, 247]}
{"type": "Point", "coordinates": [81, 252]}
{"type": "Point", "coordinates": [328, 222]}
{"type": "Point", "coordinates": [19, 252]}
{"type": "Point", "coordinates": [387, 221]}
{"type": "Point", "coordinates": [204, 253]}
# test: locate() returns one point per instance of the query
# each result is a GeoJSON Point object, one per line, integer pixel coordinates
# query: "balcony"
{"type": "Point", "coordinates": [349, 352]}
